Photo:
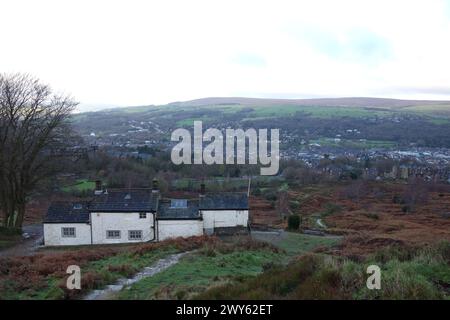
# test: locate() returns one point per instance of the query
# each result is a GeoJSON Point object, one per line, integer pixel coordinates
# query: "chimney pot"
{"type": "Point", "coordinates": [98, 187]}
{"type": "Point", "coordinates": [202, 189]}
{"type": "Point", "coordinates": [155, 185]}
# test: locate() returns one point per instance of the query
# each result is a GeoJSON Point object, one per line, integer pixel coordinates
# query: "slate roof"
{"type": "Point", "coordinates": [125, 200]}
{"type": "Point", "coordinates": [67, 212]}
{"type": "Point", "coordinates": [167, 212]}
{"type": "Point", "coordinates": [143, 200]}
{"type": "Point", "coordinates": [224, 201]}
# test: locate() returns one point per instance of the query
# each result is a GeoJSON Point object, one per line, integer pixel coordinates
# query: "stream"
{"type": "Point", "coordinates": [109, 291]}
{"type": "Point", "coordinates": [320, 223]}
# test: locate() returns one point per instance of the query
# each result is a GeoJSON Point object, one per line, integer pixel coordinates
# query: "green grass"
{"type": "Point", "coordinates": [430, 108]}
{"type": "Point", "coordinates": [105, 271]}
{"type": "Point", "coordinates": [189, 122]}
{"type": "Point", "coordinates": [196, 272]}
{"type": "Point", "coordinates": [80, 186]}
{"type": "Point", "coordinates": [8, 238]}
{"type": "Point", "coordinates": [352, 143]}
{"type": "Point", "coordinates": [133, 263]}
{"type": "Point", "coordinates": [266, 112]}
{"type": "Point", "coordinates": [296, 243]}
{"type": "Point", "coordinates": [440, 121]}
{"type": "Point", "coordinates": [224, 184]}
{"type": "Point", "coordinates": [405, 274]}
{"type": "Point", "coordinates": [6, 243]}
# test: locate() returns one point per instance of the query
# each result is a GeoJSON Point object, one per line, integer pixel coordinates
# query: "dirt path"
{"type": "Point", "coordinates": [33, 236]}
{"type": "Point", "coordinates": [110, 290]}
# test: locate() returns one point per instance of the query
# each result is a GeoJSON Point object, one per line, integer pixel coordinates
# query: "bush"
{"type": "Point", "coordinates": [270, 196]}
{"type": "Point", "coordinates": [331, 208]}
{"type": "Point", "coordinates": [9, 232]}
{"type": "Point", "coordinates": [257, 192]}
{"type": "Point", "coordinates": [294, 222]}
{"type": "Point", "coordinates": [396, 199]}
{"type": "Point", "coordinates": [372, 216]}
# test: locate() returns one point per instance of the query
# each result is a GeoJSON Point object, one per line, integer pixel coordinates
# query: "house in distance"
{"type": "Point", "coordinates": [142, 215]}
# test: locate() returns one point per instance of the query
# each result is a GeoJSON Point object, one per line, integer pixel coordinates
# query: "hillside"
{"type": "Point", "coordinates": [359, 123]}
{"type": "Point", "coordinates": [323, 102]}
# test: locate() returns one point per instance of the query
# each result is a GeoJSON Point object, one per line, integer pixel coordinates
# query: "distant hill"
{"type": "Point", "coordinates": [360, 122]}
{"type": "Point", "coordinates": [323, 102]}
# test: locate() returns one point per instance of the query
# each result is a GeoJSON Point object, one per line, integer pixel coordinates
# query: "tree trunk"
{"type": "Point", "coordinates": [20, 215]}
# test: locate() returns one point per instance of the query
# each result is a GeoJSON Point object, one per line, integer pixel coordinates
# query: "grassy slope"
{"type": "Point", "coordinates": [80, 185]}
{"type": "Point", "coordinates": [405, 274]}
{"type": "Point", "coordinates": [194, 273]}
{"type": "Point", "coordinates": [211, 267]}
{"type": "Point", "coordinates": [95, 275]}
{"type": "Point", "coordinates": [43, 276]}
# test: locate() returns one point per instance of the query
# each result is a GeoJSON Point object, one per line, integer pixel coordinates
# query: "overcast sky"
{"type": "Point", "coordinates": [154, 52]}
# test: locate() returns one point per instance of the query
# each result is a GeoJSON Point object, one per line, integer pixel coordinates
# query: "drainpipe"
{"type": "Point", "coordinates": [154, 227]}
{"type": "Point", "coordinates": [90, 225]}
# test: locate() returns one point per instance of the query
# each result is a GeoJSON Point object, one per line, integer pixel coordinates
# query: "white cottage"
{"type": "Point", "coordinates": [141, 215]}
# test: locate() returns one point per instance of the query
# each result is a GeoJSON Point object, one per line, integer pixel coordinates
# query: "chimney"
{"type": "Point", "coordinates": [202, 189]}
{"type": "Point", "coordinates": [155, 185]}
{"type": "Point", "coordinates": [98, 187]}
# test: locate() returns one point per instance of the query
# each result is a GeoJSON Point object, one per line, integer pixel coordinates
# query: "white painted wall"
{"type": "Point", "coordinates": [103, 221]}
{"type": "Point", "coordinates": [179, 228]}
{"type": "Point", "coordinates": [224, 218]}
{"type": "Point", "coordinates": [53, 234]}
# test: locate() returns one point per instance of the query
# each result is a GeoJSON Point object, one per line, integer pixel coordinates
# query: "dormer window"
{"type": "Point", "coordinates": [77, 206]}
{"type": "Point", "coordinates": [128, 197]}
{"type": "Point", "coordinates": [178, 203]}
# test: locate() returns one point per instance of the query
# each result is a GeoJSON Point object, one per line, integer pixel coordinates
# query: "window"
{"type": "Point", "coordinates": [142, 215]}
{"type": "Point", "coordinates": [68, 232]}
{"type": "Point", "coordinates": [113, 234]}
{"type": "Point", "coordinates": [134, 234]}
{"type": "Point", "coordinates": [77, 206]}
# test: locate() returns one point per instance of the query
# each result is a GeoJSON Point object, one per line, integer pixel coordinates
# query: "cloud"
{"type": "Point", "coordinates": [357, 45]}
{"type": "Point", "coordinates": [249, 59]}
{"type": "Point", "coordinates": [154, 52]}
{"type": "Point", "coordinates": [417, 90]}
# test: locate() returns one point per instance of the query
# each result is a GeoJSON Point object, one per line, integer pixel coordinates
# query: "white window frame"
{"type": "Point", "coordinates": [142, 215]}
{"type": "Point", "coordinates": [108, 236]}
{"type": "Point", "coordinates": [65, 234]}
{"type": "Point", "coordinates": [130, 237]}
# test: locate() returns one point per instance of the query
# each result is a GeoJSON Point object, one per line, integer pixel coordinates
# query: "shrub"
{"type": "Point", "coordinates": [123, 269]}
{"type": "Point", "coordinates": [406, 209]}
{"type": "Point", "coordinates": [270, 195]}
{"type": "Point", "coordinates": [9, 232]}
{"type": "Point", "coordinates": [331, 208]}
{"type": "Point", "coordinates": [372, 216]}
{"type": "Point", "coordinates": [294, 222]}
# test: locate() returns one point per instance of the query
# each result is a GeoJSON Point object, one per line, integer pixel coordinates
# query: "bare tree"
{"type": "Point", "coordinates": [415, 194]}
{"type": "Point", "coordinates": [33, 130]}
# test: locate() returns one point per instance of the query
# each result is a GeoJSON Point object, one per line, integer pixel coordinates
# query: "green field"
{"type": "Point", "coordinates": [296, 243]}
{"type": "Point", "coordinates": [189, 122]}
{"type": "Point", "coordinates": [354, 143]}
{"type": "Point", "coordinates": [262, 112]}
{"type": "Point", "coordinates": [80, 186]}
{"type": "Point", "coordinates": [222, 184]}
{"type": "Point", "coordinates": [211, 267]}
